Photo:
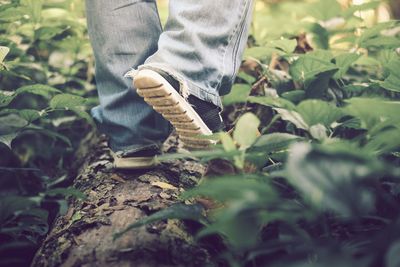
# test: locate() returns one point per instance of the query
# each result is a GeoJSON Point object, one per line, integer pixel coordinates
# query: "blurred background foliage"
{"type": "Point", "coordinates": [312, 158]}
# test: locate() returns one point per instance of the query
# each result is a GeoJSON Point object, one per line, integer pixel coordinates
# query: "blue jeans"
{"type": "Point", "coordinates": [202, 44]}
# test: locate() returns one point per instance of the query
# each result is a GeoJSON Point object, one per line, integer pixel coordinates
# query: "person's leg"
{"type": "Point", "coordinates": [124, 33]}
{"type": "Point", "coordinates": [202, 43]}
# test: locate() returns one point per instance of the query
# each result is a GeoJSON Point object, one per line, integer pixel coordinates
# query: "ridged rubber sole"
{"type": "Point", "coordinates": [164, 99]}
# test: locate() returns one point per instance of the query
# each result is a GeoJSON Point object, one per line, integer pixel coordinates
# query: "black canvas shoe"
{"type": "Point", "coordinates": [191, 117]}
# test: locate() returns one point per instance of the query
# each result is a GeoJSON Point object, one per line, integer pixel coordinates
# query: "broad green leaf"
{"type": "Point", "coordinates": [343, 62]}
{"type": "Point", "coordinates": [83, 114]}
{"type": "Point", "coordinates": [66, 101]}
{"type": "Point", "coordinates": [238, 94]}
{"type": "Point", "coordinates": [384, 142]}
{"type": "Point", "coordinates": [294, 96]}
{"type": "Point", "coordinates": [374, 31]}
{"type": "Point", "coordinates": [382, 41]}
{"type": "Point", "coordinates": [246, 77]}
{"type": "Point", "coordinates": [325, 9]}
{"type": "Point", "coordinates": [318, 132]}
{"type": "Point", "coordinates": [246, 130]}
{"type": "Point", "coordinates": [35, 8]}
{"type": "Point", "coordinates": [274, 142]}
{"type": "Point", "coordinates": [6, 98]}
{"type": "Point", "coordinates": [29, 115]}
{"type": "Point", "coordinates": [392, 82]}
{"type": "Point", "coordinates": [318, 86]}
{"type": "Point", "coordinates": [232, 188]}
{"type": "Point", "coordinates": [286, 45]}
{"type": "Point", "coordinates": [320, 36]}
{"type": "Point", "coordinates": [362, 7]}
{"type": "Point", "coordinates": [227, 142]}
{"type": "Point", "coordinates": [372, 111]}
{"type": "Point", "coordinates": [260, 53]}
{"type": "Point", "coordinates": [308, 67]}
{"type": "Point", "coordinates": [11, 123]}
{"type": "Point", "coordinates": [38, 89]}
{"type": "Point", "coordinates": [319, 112]}
{"type": "Point", "coordinates": [272, 102]}
{"type": "Point", "coordinates": [293, 117]}
{"type": "Point", "coordinates": [47, 33]}
{"type": "Point", "coordinates": [8, 138]}
{"type": "Point", "coordinates": [176, 211]}
{"type": "Point", "coordinates": [331, 181]}
{"type": "Point", "coordinates": [3, 53]}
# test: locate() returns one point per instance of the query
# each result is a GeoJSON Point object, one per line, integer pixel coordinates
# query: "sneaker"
{"type": "Point", "coordinates": [191, 117]}
{"type": "Point", "coordinates": [143, 159]}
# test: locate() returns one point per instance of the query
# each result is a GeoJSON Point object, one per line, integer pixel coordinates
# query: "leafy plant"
{"type": "Point", "coordinates": [44, 62]}
{"type": "Point", "coordinates": [314, 143]}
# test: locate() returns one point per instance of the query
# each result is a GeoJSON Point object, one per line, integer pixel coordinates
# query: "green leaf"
{"type": "Point", "coordinates": [227, 142]}
{"type": "Point", "coordinates": [239, 94]}
{"type": "Point", "coordinates": [321, 35]}
{"type": "Point", "coordinates": [294, 96]}
{"type": "Point", "coordinates": [293, 117]}
{"type": "Point", "coordinates": [38, 89]}
{"type": "Point", "coordinates": [319, 112]}
{"type": "Point", "coordinates": [374, 31]}
{"type": "Point", "coordinates": [271, 102]}
{"type": "Point", "coordinates": [83, 114]}
{"type": "Point", "coordinates": [246, 130]}
{"type": "Point", "coordinates": [8, 138]}
{"type": "Point", "coordinates": [325, 9]}
{"type": "Point", "coordinates": [246, 77]}
{"type": "Point", "coordinates": [29, 115]}
{"type": "Point", "coordinates": [331, 180]}
{"type": "Point", "coordinates": [392, 82]}
{"type": "Point", "coordinates": [6, 98]}
{"type": "Point", "coordinates": [35, 8]}
{"type": "Point", "coordinates": [66, 101]}
{"type": "Point", "coordinates": [260, 53]}
{"type": "Point", "coordinates": [318, 86]}
{"type": "Point", "coordinates": [66, 192]}
{"type": "Point", "coordinates": [232, 188]}
{"type": "Point", "coordinates": [176, 211]}
{"type": "Point", "coordinates": [286, 45]}
{"type": "Point", "coordinates": [47, 33]}
{"type": "Point", "coordinates": [362, 7]}
{"type": "Point", "coordinates": [343, 62]}
{"type": "Point", "coordinates": [274, 142]}
{"type": "Point", "coordinates": [11, 123]}
{"type": "Point", "coordinates": [307, 68]}
{"type": "Point", "coordinates": [382, 41]}
{"type": "Point", "coordinates": [3, 53]}
{"type": "Point", "coordinates": [373, 111]}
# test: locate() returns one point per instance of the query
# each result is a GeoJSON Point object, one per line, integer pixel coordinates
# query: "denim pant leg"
{"type": "Point", "coordinates": [202, 44]}
{"type": "Point", "coordinates": [124, 33]}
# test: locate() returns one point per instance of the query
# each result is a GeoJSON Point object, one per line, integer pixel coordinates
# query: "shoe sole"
{"type": "Point", "coordinates": [134, 163]}
{"type": "Point", "coordinates": [164, 99]}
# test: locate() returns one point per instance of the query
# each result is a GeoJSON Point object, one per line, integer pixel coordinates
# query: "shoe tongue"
{"type": "Point", "coordinates": [208, 112]}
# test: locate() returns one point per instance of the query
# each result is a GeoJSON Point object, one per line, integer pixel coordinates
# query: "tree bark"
{"type": "Point", "coordinates": [84, 235]}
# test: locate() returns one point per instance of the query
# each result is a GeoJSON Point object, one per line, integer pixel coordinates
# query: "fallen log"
{"type": "Point", "coordinates": [84, 235]}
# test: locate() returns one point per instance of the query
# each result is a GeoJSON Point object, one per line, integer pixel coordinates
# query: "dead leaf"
{"type": "Point", "coordinates": [163, 185]}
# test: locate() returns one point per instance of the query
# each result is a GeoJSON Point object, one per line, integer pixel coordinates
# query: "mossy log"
{"type": "Point", "coordinates": [84, 235]}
